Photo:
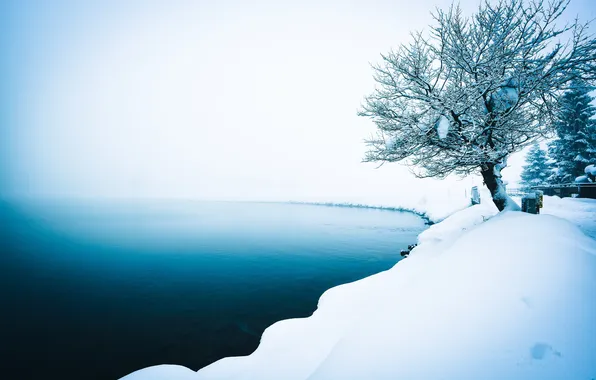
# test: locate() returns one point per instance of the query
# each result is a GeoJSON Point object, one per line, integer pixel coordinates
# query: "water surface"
{"type": "Point", "coordinates": [98, 289]}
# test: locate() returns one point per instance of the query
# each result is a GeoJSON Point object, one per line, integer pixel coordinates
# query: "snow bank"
{"type": "Point", "coordinates": [435, 198]}
{"type": "Point", "coordinates": [507, 296]}
{"type": "Point", "coordinates": [435, 207]}
{"type": "Point", "coordinates": [441, 204]}
{"type": "Point", "coordinates": [580, 211]}
{"type": "Point", "coordinates": [458, 223]}
{"type": "Point", "coordinates": [163, 372]}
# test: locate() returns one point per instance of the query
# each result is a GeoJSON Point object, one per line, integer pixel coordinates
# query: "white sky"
{"type": "Point", "coordinates": [234, 100]}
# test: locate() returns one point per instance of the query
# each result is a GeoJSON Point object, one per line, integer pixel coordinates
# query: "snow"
{"type": "Point", "coordinates": [579, 158]}
{"type": "Point", "coordinates": [458, 223]}
{"type": "Point", "coordinates": [390, 143]}
{"type": "Point", "coordinates": [442, 126]}
{"type": "Point", "coordinates": [582, 179]}
{"type": "Point", "coordinates": [440, 199]}
{"type": "Point", "coordinates": [580, 211]}
{"type": "Point", "coordinates": [501, 192]}
{"type": "Point", "coordinates": [511, 205]}
{"type": "Point", "coordinates": [440, 205]}
{"type": "Point", "coordinates": [590, 169]}
{"type": "Point", "coordinates": [504, 98]}
{"type": "Point", "coordinates": [484, 295]}
{"type": "Point", "coordinates": [163, 372]}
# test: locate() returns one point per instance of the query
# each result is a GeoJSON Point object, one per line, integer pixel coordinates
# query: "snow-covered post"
{"type": "Point", "coordinates": [475, 90]}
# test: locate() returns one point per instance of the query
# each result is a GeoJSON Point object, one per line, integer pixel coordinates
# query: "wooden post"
{"type": "Point", "coordinates": [475, 196]}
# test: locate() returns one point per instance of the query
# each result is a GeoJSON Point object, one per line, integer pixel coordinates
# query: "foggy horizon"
{"type": "Point", "coordinates": [191, 100]}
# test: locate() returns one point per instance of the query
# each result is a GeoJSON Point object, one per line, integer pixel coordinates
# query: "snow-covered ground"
{"type": "Point", "coordinates": [581, 212]}
{"type": "Point", "coordinates": [483, 296]}
{"type": "Point", "coordinates": [435, 206]}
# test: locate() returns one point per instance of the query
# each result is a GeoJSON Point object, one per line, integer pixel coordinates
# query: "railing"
{"type": "Point", "coordinates": [581, 190]}
{"type": "Point", "coordinates": [565, 186]}
{"type": "Point", "coordinates": [516, 192]}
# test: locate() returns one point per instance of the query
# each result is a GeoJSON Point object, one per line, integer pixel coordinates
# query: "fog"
{"type": "Point", "coordinates": [226, 100]}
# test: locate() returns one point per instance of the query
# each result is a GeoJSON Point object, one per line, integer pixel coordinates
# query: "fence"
{"type": "Point", "coordinates": [516, 192]}
{"type": "Point", "coordinates": [580, 190]}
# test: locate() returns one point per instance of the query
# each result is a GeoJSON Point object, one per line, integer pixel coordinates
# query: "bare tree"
{"type": "Point", "coordinates": [474, 90]}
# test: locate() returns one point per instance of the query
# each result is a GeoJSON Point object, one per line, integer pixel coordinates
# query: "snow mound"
{"type": "Point", "coordinates": [582, 179]}
{"type": "Point", "coordinates": [163, 372]}
{"type": "Point", "coordinates": [511, 298]}
{"type": "Point", "coordinates": [580, 211]}
{"type": "Point", "coordinates": [458, 223]}
{"type": "Point", "coordinates": [442, 204]}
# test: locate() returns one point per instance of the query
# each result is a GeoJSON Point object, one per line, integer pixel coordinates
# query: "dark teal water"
{"type": "Point", "coordinates": [96, 290]}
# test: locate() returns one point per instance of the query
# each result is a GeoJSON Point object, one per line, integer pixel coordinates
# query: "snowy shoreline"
{"type": "Point", "coordinates": [484, 295]}
{"type": "Point", "coordinates": [433, 208]}
{"type": "Point", "coordinates": [421, 214]}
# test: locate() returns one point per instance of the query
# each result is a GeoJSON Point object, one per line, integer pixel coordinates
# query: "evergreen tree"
{"type": "Point", "coordinates": [537, 171]}
{"type": "Point", "coordinates": [575, 146]}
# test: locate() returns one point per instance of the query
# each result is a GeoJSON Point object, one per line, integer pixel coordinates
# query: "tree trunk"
{"type": "Point", "coordinates": [491, 173]}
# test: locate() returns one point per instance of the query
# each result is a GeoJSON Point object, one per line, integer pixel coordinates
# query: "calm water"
{"type": "Point", "coordinates": [95, 290]}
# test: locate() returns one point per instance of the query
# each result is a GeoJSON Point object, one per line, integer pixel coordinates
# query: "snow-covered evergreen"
{"type": "Point", "coordinates": [537, 169]}
{"type": "Point", "coordinates": [575, 146]}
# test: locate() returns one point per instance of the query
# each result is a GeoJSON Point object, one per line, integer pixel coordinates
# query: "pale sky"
{"type": "Point", "coordinates": [201, 99]}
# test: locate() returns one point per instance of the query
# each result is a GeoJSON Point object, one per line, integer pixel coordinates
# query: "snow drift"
{"type": "Point", "coordinates": [581, 211]}
{"type": "Point", "coordinates": [507, 296]}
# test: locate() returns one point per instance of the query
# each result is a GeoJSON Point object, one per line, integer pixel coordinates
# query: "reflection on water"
{"type": "Point", "coordinates": [95, 290]}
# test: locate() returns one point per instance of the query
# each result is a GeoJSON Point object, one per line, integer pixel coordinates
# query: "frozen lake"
{"type": "Point", "coordinates": [98, 289]}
